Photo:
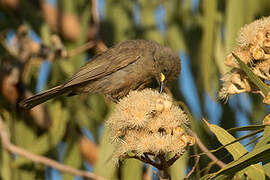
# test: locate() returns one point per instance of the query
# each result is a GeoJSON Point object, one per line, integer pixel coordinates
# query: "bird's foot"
{"type": "Point", "coordinates": [112, 99]}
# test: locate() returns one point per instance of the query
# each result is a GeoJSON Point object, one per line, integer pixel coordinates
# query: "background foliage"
{"type": "Point", "coordinates": [70, 130]}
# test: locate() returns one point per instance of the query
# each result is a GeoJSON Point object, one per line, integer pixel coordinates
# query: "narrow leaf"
{"type": "Point", "coordinates": [251, 158]}
{"type": "Point", "coordinates": [207, 68]}
{"type": "Point", "coordinates": [246, 128]}
{"type": "Point", "coordinates": [49, 140]}
{"type": "Point", "coordinates": [256, 80]}
{"type": "Point", "coordinates": [236, 150]}
{"type": "Point", "coordinates": [265, 140]}
{"type": "Point", "coordinates": [105, 166]}
{"type": "Point", "coordinates": [132, 169]}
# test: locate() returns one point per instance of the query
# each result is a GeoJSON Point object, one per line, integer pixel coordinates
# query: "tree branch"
{"type": "Point", "coordinates": [193, 168]}
{"type": "Point", "coordinates": [206, 151]}
{"type": "Point", "coordinates": [7, 145]}
{"type": "Point", "coordinates": [145, 160]}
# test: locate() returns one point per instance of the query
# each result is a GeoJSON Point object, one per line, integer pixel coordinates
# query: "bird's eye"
{"type": "Point", "coordinates": [165, 71]}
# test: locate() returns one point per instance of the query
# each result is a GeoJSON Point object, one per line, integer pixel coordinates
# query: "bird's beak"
{"type": "Point", "coordinates": [161, 81]}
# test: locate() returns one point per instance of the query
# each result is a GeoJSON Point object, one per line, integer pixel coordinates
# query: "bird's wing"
{"type": "Point", "coordinates": [104, 64]}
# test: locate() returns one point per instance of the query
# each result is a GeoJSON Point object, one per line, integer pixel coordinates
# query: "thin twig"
{"type": "Point", "coordinates": [145, 160]}
{"type": "Point", "coordinates": [81, 49]}
{"type": "Point", "coordinates": [94, 34]}
{"type": "Point", "coordinates": [164, 167]}
{"type": "Point", "coordinates": [100, 45]}
{"type": "Point", "coordinates": [147, 157]}
{"type": "Point", "coordinates": [193, 168]}
{"type": "Point", "coordinates": [148, 174]}
{"type": "Point", "coordinates": [7, 145]}
{"type": "Point", "coordinates": [173, 159]}
{"type": "Point", "coordinates": [198, 141]}
{"type": "Point", "coordinates": [159, 177]}
{"type": "Point", "coordinates": [206, 151]}
{"type": "Point", "coordinates": [164, 175]}
{"type": "Point", "coordinates": [95, 13]}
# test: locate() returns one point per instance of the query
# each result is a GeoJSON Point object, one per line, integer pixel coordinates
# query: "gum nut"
{"type": "Point", "coordinates": [258, 53]}
{"type": "Point", "coordinates": [192, 141]}
{"type": "Point", "coordinates": [183, 143]}
{"type": "Point", "coordinates": [159, 104]}
{"type": "Point", "coordinates": [178, 131]}
{"type": "Point", "coordinates": [266, 43]}
{"type": "Point", "coordinates": [186, 138]}
{"type": "Point", "coordinates": [167, 104]}
{"type": "Point", "coordinates": [35, 47]}
{"type": "Point", "coordinates": [229, 61]}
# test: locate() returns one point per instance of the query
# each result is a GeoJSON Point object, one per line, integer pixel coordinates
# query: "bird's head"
{"type": "Point", "coordinates": [169, 66]}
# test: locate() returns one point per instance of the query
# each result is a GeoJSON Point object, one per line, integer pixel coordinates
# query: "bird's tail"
{"type": "Point", "coordinates": [42, 97]}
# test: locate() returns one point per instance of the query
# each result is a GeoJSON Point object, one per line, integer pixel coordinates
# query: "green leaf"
{"type": "Point", "coordinates": [253, 157]}
{"type": "Point", "coordinates": [266, 168]}
{"type": "Point", "coordinates": [148, 13]}
{"type": "Point", "coordinates": [49, 140]}
{"type": "Point", "coordinates": [236, 150]}
{"type": "Point", "coordinates": [72, 157]}
{"type": "Point", "coordinates": [219, 51]}
{"type": "Point", "coordinates": [264, 141]}
{"type": "Point", "coordinates": [68, 6]}
{"type": "Point", "coordinates": [246, 128]}
{"type": "Point", "coordinates": [132, 169]}
{"type": "Point", "coordinates": [255, 171]}
{"type": "Point", "coordinates": [207, 67]}
{"type": "Point", "coordinates": [175, 38]}
{"type": "Point", "coordinates": [233, 22]}
{"type": "Point", "coordinates": [98, 104]}
{"type": "Point", "coordinates": [177, 170]}
{"type": "Point", "coordinates": [207, 177]}
{"type": "Point", "coordinates": [255, 79]}
{"type": "Point", "coordinates": [87, 118]}
{"type": "Point", "coordinates": [237, 140]}
{"type": "Point", "coordinates": [105, 166]}
{"type": "Point", "coordinates": [121, 24]}
{"type": "Point", "coordinates": [24, 135]}
{"type": "Point", "coordinates": [5, 170]}
{"type": "Point", "coordinates": [24, 174]}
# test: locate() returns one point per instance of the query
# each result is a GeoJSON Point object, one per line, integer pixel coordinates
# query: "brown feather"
{"type": "Point", "coordinates": [129, 65]}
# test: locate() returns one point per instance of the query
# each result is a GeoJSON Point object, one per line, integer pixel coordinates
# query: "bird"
{"type": "Point", "coordinates": [128, 65]}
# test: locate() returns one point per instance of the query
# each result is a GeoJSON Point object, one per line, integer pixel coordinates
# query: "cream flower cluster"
{"type": "Point", "coordinates": [147, 122]}
{"type": "Point", "coordinates": [253, 48]}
